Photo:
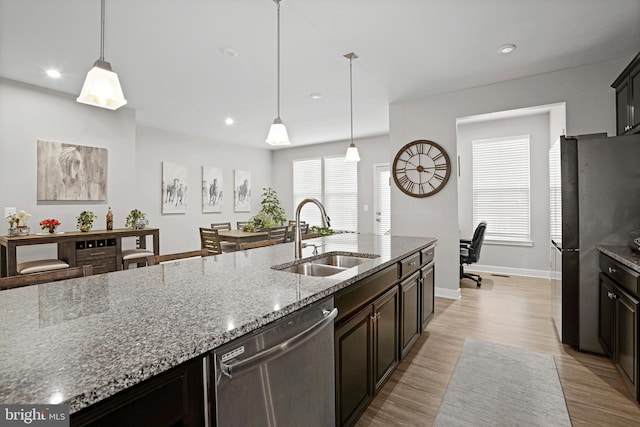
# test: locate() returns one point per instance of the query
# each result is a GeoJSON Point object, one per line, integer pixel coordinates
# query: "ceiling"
{"type": "Point", "coordinates": [168, 55]}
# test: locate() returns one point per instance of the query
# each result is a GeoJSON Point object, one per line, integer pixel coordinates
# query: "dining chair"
{"type": "Point", "coordinates": [242, 224]}
{"type": "Point", "coordinates": [278, 234]}
{"type": "Point", "coordinates": [157, 259]}
{"type": "Point", "coordinates": [210, 241]}
{"type": "Point", "coordinates": [221, 226]}
{"type": "Point", "coordinates": [258, 244]}
{"type": "Point", "coordinates": [44, 277]}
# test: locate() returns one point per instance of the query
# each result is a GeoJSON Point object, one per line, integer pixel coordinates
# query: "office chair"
{"type": "Point", "coordinates": [470, 252]}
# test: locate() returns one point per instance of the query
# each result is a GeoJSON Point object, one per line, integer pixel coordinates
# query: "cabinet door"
{"type": "Point", "coordinates": [409, 312]}
{"type": "Point", "coordinates": [353, 367]}
{"type": "Point", "coordinates": [426, 294]}
{"type": "Point", "coordinates": [385, 336]}
{"type": "Point", "coordinates": [606, 319]}
{"type": "Point", "coordinates": [626, 339]}
{"type": "Point", "coordinates": [622, 108]}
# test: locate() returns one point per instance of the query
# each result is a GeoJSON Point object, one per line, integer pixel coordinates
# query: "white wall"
{"type": "Point", "coordinates": [532, 260]}
{"type": "Point", "coordinates": [372, 150]}
{"type": "Point", "coordinates": [590, 108]}
{"type": "Point", "coordinates": [179, 232]}
{"type": "Point", "coordinates": [29, 113]}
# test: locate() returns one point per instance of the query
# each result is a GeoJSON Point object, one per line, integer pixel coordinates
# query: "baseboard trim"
{"type": "Point", "coordinates": [447, 293]}
{"type": "Point", "coordinates": [541, 274]}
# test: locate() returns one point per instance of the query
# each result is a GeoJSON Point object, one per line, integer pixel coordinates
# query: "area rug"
{"type": "Point", "coordinates": [498, 385]}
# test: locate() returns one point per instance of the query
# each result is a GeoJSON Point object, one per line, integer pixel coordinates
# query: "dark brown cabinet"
{"type": "Point", "coordinates": [379, 319]}
{"type": "Point", "coordinates": [426, 294]}
{"type": "Point", "coordinates": [175, 398]}
{"type": "Point", "coordinates": [627, 87]}
{"type": "Point", "coordinates": [618, 319]}
{"type": "Point", "coordinates": [606, 318]}
{"type": "Point", "coordinates": [410, 312]}
{"type": "Point", "coordinates": [354, 359]}
{"type": "Point", "coordinates": [385, 336]}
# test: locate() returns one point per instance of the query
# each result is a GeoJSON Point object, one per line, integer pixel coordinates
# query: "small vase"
{"type": "Point", "coordinates": [52, 230]}
{"type": "Point", "coordinates": [85, 227]}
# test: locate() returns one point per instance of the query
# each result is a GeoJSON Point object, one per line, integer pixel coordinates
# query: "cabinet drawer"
{"type": "Point", "coordinates": [409, 265]}
{"type": "Point", "coordinates": [84, 255]}
{"type": "Point", "coordinates": [624, 276]}
{"type": "Point", "coordinates": [428, 254]}
{"type": "Point", "coordinates": [101, 265]}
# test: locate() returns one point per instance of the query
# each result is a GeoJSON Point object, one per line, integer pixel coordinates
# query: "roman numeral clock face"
{"type": "Point", "coordinates": [421, 168]}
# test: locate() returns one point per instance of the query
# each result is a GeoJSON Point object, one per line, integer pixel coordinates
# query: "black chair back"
{"type": "Point", "coordinates": [476, 242]}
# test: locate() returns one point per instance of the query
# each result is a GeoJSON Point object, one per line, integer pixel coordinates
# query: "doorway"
{"type": "Point", "coordinates": [382, 199]}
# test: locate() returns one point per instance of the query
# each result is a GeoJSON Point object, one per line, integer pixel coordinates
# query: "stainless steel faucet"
{"type": "Point", "coordinates": [298, 236]}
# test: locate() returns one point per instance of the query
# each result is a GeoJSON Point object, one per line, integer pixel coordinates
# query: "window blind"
{"type": "Point", "coordinates": [333, 182]}
{"type": "Point", "coordinates": [307, 183]}
{"type": "Point", "coordinates": [555, 192]}
{"type": "Point", "coordinates": [501, 187]}
{"type": "Point", "coordinates": [341, 193]}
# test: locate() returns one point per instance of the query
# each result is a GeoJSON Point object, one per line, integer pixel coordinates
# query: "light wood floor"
{"type": "Point", "coordinates": [514, 311]}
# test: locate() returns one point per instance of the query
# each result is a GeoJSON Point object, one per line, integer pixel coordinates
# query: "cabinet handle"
{"type": "Point", "coordinates": [612, 270]}
{"type": "Point", "coordinates": [412, 264]}
{"type": "Point", "coordinates": [611, 295]}
{"type": "Point", "coordinates": [375, 316]}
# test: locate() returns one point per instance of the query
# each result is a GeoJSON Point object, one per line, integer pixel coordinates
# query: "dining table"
{"type": "Point", "coordinates": [240, 236]}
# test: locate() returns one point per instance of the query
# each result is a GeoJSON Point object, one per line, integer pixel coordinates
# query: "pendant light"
{"type": "Point", "coordinates": [101, 87]}
{"type": "Point", "coordinates": [352, 152]}
{"type": "Point", "coordinates": [278, 132]}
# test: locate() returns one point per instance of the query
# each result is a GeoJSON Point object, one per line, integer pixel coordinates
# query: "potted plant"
{"type": "Point", "coordinates": [136, 219]}
{"type": "Point", "coordinates": [271, 213]}
{"type": "Point", "coordinates": [85, 220]}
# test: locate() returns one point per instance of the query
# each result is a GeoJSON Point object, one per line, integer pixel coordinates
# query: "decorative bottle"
{"type": "Point", "coordinates": [109, 219]}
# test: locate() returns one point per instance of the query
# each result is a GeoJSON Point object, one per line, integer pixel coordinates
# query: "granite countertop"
{"type": "Point", "coordinates": [623, 254]}
{"type": "Point", "coordinates": [79, 341]}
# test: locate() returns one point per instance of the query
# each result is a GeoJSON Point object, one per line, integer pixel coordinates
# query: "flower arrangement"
{"type": "Point", "coordinates": [49, 224]}
{"type": "Point", "coordinates": [18, 219]}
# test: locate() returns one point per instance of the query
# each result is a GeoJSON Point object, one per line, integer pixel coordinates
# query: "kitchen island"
{"type": "Point", "coordinates": [81, 341]}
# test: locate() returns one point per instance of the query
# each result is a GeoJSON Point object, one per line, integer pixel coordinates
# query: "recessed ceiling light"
{"type": "Point", "coordinates": [507, 48]}
{"type": "Point", "coordinates": [315, 95]}
{"type": "Point", "coordinates": [229, 52]}
{"type": "Point", "coordinates": [53, 73]}
{"type": "Point", "coordinates": [229, 121]}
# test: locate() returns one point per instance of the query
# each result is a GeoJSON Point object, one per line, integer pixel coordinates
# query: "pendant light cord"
{"type": "Point", "coordinates": [278, 4]}
{"type": "Point", "coordinates": [351, 93]}
{"type": "Point", "coordinates": [102, 30]}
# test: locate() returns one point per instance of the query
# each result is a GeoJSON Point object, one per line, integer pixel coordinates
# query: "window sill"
{"type": "Point", "coordinates": [523, 243]}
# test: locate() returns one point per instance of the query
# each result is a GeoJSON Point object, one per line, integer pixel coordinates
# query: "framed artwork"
{"type": "Point", "coordinates": [242, 191]}
{"type": "Point", "coordinates": [211, 189]}
{"type": "Point", "coordinates": [174, 188]}
{"type": "Point", "coordinates": [71, 172]}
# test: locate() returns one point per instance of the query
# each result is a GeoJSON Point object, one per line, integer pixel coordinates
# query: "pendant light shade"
{"type": "Point", "coordinates": [278, 132]}
{"type": "Point", "coordinates": [352, 152]}
{"type": "Point", "coordinates": [102, 87]}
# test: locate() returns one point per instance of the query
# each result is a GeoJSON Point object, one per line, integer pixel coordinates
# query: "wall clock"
{"type": "Point", "coordinates": [421, 168]}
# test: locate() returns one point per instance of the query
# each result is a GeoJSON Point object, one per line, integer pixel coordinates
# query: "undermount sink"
{"type": "Point", "coordinates": [344, 261]}
{"type": "Point", "coordinates": [312, 269]}
{"type": "Point", "coordinates": [326, 264]}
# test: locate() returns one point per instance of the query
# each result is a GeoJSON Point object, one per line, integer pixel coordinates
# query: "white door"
{"type": "Point", "coordinates": [382, 199]}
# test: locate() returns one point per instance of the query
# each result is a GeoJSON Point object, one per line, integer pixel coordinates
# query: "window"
{"type": "Point", "coordinates": [333, 182]}
{"type": "Point", "coordinates": [501, 190]}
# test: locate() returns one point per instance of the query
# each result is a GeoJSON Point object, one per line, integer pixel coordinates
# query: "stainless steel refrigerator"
{"type": "Point", "coordinates": [594, 199]}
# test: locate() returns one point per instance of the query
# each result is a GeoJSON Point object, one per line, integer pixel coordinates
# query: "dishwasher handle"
{"type": "Point", "coordinates": [237, 368]}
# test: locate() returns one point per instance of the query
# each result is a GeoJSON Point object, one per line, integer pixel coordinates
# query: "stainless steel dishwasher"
{"type": "Point", "coordinates": [281, 375]}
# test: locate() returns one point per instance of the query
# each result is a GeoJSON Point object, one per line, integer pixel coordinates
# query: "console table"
{"type": "Point", "coordinates": [100, 248]}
